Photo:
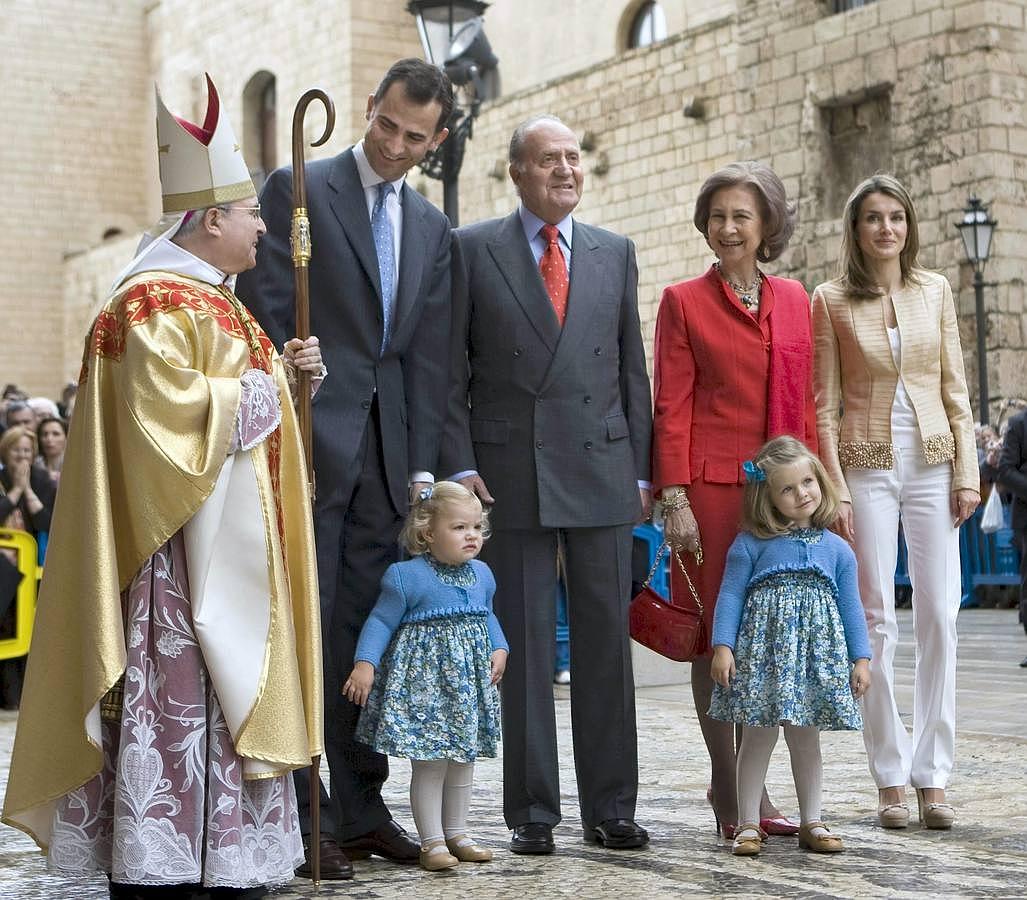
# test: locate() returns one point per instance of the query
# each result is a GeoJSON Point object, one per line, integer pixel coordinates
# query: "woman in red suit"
{"type": "Point", "coordinates": [733, 367]}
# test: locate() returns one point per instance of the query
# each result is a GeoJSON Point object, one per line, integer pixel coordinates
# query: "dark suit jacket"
{"type": "Point", "coordinates": [1012, 468]}
{"type": "Point", "coordinates": [346, 314]}
{"type": "Point", "coordinates": [557, 421]}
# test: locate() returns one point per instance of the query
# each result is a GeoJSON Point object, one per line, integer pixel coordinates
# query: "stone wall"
{"type": "Point", "coordinates": [649, 158]}
{"type": "Point", "coordinates": [71, 157]}
{"type": "Point", "coordinates": [951, 78]}
{"type": "Point", "coordinates": [584, 33]}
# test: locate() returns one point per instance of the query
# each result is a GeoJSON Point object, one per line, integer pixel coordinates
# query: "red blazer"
{"type": "Point", "coordinates": [725, 382]}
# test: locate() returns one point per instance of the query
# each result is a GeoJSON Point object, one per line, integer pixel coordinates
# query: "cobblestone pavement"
{"type": "Point", "coordinates": [985, 855]}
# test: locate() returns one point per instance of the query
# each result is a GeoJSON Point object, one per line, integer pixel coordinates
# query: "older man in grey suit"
{"type": "Point", "coordinates": [550, 415]}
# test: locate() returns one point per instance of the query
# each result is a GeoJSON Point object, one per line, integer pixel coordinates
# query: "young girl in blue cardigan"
{"type": "Point", "coordinates": [426, 668]}
{"type": "Point", "coordinates": [790, 640]}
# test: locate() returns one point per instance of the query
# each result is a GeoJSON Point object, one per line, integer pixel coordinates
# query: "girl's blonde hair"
{"type": "Point", "coordinates": [422, 514]}
{"type": "Point", "coordinates": [761, 516]}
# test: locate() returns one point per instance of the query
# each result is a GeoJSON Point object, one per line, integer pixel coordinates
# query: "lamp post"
{"type": "Point", "coordinates": [453, 37]}
{"type": "Point", "coordinates": [976, 230]}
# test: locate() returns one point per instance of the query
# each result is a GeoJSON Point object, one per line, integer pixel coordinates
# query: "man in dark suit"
{"type": "Point", "coordinates": [1012, 473]}
{"type": "Point", "coordinates": [551, 415]}
{"type": "Point", "coordinates": [379, 301]}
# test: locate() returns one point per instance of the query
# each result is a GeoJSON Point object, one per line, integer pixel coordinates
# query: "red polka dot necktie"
{"type": "Point", "coordinates": [553, 267]}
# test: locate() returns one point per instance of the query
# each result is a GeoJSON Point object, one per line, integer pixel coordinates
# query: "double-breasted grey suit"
{"type": "Point", "coordinates": [377, 418]}
{"type": "Point", "coordinates": [557, 422]}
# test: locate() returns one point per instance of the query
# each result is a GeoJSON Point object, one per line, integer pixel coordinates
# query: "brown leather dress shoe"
{"type": "Point", "coordinates": [335, 865]}
{"type": "Point", "coordinates": [388, 840]}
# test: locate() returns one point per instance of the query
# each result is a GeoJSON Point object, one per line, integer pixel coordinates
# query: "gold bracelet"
{"type": "Point", "coordinates": [677, 500]}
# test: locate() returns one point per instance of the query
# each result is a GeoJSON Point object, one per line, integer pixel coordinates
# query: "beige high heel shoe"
{"type": "Point", "coordinates": [468, 852]}
{"type": "Point", "coordinates": [435, 860]}
{"type": "Point", "coordinates": [893, 815]}
{"type": "Point", "coordinates": [934, 815]}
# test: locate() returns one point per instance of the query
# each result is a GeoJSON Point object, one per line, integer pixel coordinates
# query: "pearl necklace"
{"type": "Point", "coordinates": [748, 294]}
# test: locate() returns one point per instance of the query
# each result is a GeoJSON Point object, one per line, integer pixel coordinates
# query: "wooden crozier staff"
{"type": "Point", "coordinates": [300, 241]}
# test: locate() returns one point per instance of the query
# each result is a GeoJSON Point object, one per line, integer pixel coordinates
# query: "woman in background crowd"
{"type": "Point", "coordinates": [52, 437]}
{"type": "Point", "coordinates": [26, 504]}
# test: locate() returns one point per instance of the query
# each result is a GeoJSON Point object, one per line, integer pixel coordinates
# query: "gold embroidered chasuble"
{"type": "Point", "coordinates": [149, 449]}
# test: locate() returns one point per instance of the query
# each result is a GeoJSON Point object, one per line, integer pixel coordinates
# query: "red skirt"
{"type": "Point", "coordinates": [718, 510]}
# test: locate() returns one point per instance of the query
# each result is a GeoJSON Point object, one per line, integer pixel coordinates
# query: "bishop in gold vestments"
{"type": "Point", "coordinates": [174, 679]}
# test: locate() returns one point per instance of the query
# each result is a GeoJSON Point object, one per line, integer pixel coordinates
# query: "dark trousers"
{"type": "Point", "coordinates": [1021, 540]}
{"type": "Point", "coordinates": [598, 581]}
{"type": "Point", "coordinates": [356, 543]}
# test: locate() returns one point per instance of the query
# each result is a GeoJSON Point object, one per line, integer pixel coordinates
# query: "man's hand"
{"type": "Point", "coordinates": [476, 486]}
{"type": "Point", "coordinates": [646, 496]}
{"type": "Point", "coordinates": [358, 685]}
{"type": "Point", "coordinates": [305, 355]}
{"type": "Point", "coordinates": [415, 490]}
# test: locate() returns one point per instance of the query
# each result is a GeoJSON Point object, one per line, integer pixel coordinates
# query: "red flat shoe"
{"type": "Point", "coordinates": [779, 825]}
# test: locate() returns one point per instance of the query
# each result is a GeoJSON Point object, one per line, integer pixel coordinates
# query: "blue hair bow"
{"type": "Point", "coordinates": [753, 473]}
{"type": "Point", "coordinates": [426, 493]}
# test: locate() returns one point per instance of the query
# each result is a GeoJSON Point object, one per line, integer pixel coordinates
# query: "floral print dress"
{"type": "Point", "coordinates": [791, 659]}
{"type": "Point", "coordinates": [432, 696]}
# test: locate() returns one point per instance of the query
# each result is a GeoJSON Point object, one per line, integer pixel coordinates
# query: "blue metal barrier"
{"type": "Point", "coordinates": [652, 536]}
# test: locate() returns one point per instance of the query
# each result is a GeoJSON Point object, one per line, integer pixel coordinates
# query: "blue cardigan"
{"type": "Point", "coordinates": [752, 559]}
{"type": "Point", "coordinates": [412, 592]}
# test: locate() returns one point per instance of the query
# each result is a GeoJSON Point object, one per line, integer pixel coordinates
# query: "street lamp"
{"type": "Point", "coordinates": [976, 230]}
{"type": "Point", "coordinates": [453, 37]}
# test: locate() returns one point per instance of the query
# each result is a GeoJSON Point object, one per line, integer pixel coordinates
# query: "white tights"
{"type": "Point", "coordinates": [754, 758]}
{"type": "Point", "coordinates": [440, 796]}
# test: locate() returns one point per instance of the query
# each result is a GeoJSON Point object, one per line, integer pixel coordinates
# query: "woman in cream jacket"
{"type": "Point", "coordinates": [896, 435]}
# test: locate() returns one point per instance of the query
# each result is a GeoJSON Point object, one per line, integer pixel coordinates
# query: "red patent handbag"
{"type": "Point", "coordinates": [676, 632]}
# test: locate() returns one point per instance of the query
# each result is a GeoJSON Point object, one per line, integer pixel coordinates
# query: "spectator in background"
{"type": "Point", "coordinates": [44, 408]}
{"type": "Point", "coordinates": [19, 413]}
{"type": "Point", "coordinates": [52, 438]}
{"type": "Point", "coordinates": [66, 405]}
{"type": "Point", "coordinates": [1012, 469]}
{"type": "Point", "coordinates": [26, 503]}
{"type": "Point", "coordinates": [988, 446]}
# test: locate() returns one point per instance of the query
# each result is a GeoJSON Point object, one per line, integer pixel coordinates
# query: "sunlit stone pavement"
{"type": "Point", "coordinates": [985, 855]}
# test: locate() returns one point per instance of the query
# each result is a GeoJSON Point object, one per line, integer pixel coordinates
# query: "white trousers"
{"type": "Point", "coordinates": [919, 495]}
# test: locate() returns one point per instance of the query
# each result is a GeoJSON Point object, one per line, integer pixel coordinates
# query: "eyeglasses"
{"type": "Point", "coordinates": [254, 211]}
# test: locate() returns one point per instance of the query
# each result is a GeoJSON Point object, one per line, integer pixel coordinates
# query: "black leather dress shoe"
{"type": "Point", "coordinates": [1023, 663]}
{"type": "Point", "coordinates": [532, 838]}
{"type": "Point", "coordinates": [335, 865]}
{"type": "Point", "coordinates": [388, 840]}
{"type": "Point", "coordinates": [617, 834]}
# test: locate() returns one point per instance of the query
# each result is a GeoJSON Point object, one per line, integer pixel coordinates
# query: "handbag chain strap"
{"type": "Point", "coordinates": [677, 556]}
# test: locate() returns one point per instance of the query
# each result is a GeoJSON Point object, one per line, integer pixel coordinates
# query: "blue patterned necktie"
{"type": "Point", "coordinates": [384, 245]}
